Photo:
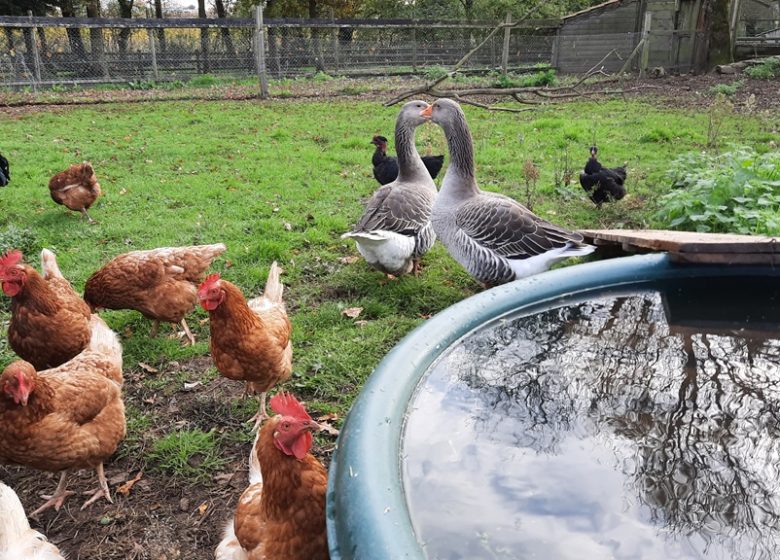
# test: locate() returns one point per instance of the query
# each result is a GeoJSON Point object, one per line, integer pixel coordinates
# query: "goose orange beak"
{"type": "Point", "coordinates": [427, 113]}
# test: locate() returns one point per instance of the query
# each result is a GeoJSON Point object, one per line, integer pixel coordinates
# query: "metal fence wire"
{"type": "Point", "coordinates": [54, 50]}
{"type": "Point", "coordinates": [47, 51]}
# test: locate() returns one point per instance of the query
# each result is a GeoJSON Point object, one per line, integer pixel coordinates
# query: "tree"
{"type": "Point", "coordinates": [96, 37]}
{"type": "Point", "coordinates": [204, 37]}
{"type": "Point", "coordinates": [226, 39]}
{"type": "Point", "coordinates": [158, 13]}
{"type": "Point", "coordinates": [125, 11]}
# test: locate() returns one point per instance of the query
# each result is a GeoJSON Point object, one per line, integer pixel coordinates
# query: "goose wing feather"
{"type": "Point", "coordinates": [397, 209]}
{"type": "Point", "coordinates": [502, 225]}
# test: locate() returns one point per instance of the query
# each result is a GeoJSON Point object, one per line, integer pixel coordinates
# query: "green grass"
{"type": "Point", "coordinates": [283, 180]}
{"type": "Point", "coordinates": [189, 455]}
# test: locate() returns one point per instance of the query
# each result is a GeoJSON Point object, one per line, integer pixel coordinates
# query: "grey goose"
{"type": "Point", "coordinates": [395, 229]}
{"type": "Point", "coordinates": [495, 238]}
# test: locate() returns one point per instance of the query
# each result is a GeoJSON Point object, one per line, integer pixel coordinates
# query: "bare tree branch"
{"type": "Point", "coordinates": [533, 95]}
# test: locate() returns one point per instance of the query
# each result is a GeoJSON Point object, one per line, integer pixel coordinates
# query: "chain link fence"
{"type": "Point", "coordinates": [46, 51]}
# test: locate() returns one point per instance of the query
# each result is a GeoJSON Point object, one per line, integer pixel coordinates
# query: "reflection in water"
{"type": "Point", "coordinates": [597, 431]}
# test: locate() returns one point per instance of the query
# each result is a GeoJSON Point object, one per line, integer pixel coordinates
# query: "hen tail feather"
{"type": "Point", "coordinates": [273, 286]}
{"type": "Point", "coordinates": [49, 265]}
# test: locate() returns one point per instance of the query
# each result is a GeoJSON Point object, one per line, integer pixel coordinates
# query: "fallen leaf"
{"type": "Point", "coordinates": [203, 507]}
{"type": "Point", "coordinates": [352, 259]}
{"type": "Point", "coordinates": [352, 312]}
{"type": "Point", "coordinates": [147, 368]}
{"type": "Point", "coordinates": [123, 191]}
{"type": "Point", "coordinates": [288, 226]}
{"type": "Point", "coordinates": [361, 323]}
{"type": "Point", "coordinates": [228, 263]}
{"type": "Point", "coordinates": [191, 386]}
{"type": "Point", "coordinates": [326, 417]}
{"type": "Point", "coordinates": [127, 486]}
{"type": "Point", "coordinates": [224, 478]}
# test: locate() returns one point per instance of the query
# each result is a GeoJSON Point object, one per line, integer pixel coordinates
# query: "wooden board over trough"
{"type": "Point", "coordinates": [692, 247]}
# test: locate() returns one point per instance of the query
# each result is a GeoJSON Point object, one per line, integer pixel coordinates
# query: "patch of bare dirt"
{"type": "Point", "coordinates": [683, 91]}
{"type": "Point", "coordinates": [155, 516]}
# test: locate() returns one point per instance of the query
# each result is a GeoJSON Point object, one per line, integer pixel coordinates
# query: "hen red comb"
{"type": "Point", "coordinates": [287, 405]}
{"type": "Point", "coordinates": [210, 279]}
{"type": "Point", "coordinates": [10, 258]}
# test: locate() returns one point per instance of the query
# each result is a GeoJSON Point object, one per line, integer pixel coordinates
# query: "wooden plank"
{"type": "Point", "coordinates": [686, 242]}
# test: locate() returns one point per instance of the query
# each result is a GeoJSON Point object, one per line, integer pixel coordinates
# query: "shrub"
{"type": "Point", "coordinates": [734, 192]}
{"type": "Point", "coordinates": [766, 70]}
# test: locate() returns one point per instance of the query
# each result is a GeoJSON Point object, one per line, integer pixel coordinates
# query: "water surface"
{"type": "Point", "coordinates": [634, 426]}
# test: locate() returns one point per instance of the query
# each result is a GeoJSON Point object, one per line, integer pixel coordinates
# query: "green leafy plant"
{"type": "Point", "coordinates": [727, 89]}
{"type": "Point", "coordinates": [735, 192]}
{"type": "Point", "coordinates": [538, 79]}
{"type": "Point", "coordinates": [141, 85]}
{"type": "Point", "coordinates": [13, 237]}
{"type": "Point", "coordinates": [322, 77]}
{"type": "Point", "coordinates": [766, 70]}
{"type": "Point", "coordinates": [190, 454]}
{"type": "Point", "coordinates": [435, 72]}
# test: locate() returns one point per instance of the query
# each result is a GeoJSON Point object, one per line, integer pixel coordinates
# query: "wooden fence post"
{"type": "Point", "coordinates": [153, 49]}
{"type": "Point", "coordinates": [507, 35]}
{"type": "Point", "coordinates": [414, 47]}
{"type": "Point", "coordinates": [645, 58]}
{"type": "Point", "coordinates": [260, 50]}
{"type": "Point", "coordinates": [35, 54]}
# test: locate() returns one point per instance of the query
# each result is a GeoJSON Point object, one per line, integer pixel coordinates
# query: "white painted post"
{"type": "Point", "coordinates": [260, 50]}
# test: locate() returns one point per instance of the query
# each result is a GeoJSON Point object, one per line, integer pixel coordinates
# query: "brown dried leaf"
{"type": "Point", "coordinates": [352, 312]}
{"type": "Point", "coordinates": [203, 507]}
{"type": "Point", "coordinates": [147, 368]}
{"type": "Point", "coordinates": [352, 259]}
{"type": "Point", "coordinates": [127, 486]}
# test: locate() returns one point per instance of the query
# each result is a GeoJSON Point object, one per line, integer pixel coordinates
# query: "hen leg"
{"type": "Point", "coordinates": [155, 326]}
{"type": "Point", "coordinates": [102, 491]}
{"type": "Point", "coordinates": [261, 414]}
{"type": "Point", "coordinates": [188, 332]}
{"type": "Point", "coordinates": [84, 212]}
{"type": "Point", "coordinates": [56, 499]}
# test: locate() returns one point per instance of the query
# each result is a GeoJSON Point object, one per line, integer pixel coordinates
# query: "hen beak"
{"type": "Point", "coordinates": [427, 113]}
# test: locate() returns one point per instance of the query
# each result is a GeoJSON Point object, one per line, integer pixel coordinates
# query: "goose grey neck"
{"type": "Point", "coordinates": [461, 146]}
{"type": "Point", "coordinates": [410, 164]}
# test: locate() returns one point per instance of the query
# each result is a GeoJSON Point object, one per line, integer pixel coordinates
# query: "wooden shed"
{"type": "Point", "coordinates": [668, 27]}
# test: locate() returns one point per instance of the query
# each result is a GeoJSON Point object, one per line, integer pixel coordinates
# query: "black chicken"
{"type": "Point", "coordinates": [601, 183]}
{"type": "Point", "coordinates": [386, 167]}
{"type": "Point", "coordinates": [5, 173]}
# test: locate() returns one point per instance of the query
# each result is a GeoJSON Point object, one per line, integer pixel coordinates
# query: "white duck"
{"type": "Point", "coordinates": [494, 237]}
{"type": "Point", "coordinates": [395, 230]}
{"type": "Point", "coordinates": [18, 541]}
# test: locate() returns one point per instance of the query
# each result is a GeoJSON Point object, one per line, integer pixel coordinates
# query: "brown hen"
{"type": "Point", "coordinates": [281, 515]}
{"type": "Point", "coordinates": [76, 188]}
{"type": "Point", "coordinates": [49, 321]}
{"type": "Point", "coordinates": [160, 283]}
{"type": "Point", "coordinates": [250, 341]}
{"type": "Point", "coordinates": [69, 417]}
